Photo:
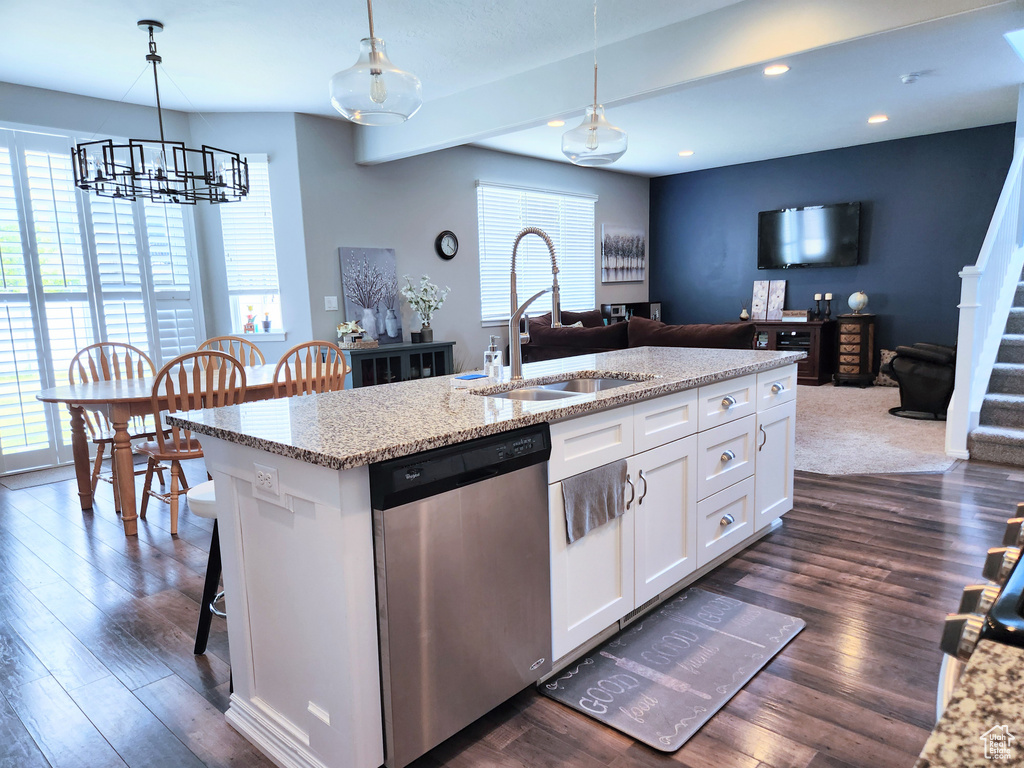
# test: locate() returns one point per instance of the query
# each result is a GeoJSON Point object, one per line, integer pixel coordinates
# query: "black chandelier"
{"type": "Point", "coordinates": [162, 171]}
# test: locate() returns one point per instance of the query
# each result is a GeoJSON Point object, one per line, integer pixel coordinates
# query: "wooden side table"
{"type": "Point", "coordinates": [401, 362]}
{"type": "Point", "coordinates": [815, 337]}
{"type": "Point", "coordinates": [856, 350]}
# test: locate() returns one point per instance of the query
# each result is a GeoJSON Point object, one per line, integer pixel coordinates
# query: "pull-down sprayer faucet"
{"type": "Point", "coordinates": [515, 338]}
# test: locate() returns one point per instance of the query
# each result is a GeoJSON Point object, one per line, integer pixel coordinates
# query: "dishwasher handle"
{"type": "Point", "coordinates": [475, 476]}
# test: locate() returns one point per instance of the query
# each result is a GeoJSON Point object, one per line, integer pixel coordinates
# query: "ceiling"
{"type": "Point", "coordinates": [678, 76]}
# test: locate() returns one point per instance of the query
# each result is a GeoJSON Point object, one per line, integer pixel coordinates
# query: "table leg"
{"type": "Point", "coordinates": [119, 415]}
{"type": "Point", "coordinates": [80, 453]}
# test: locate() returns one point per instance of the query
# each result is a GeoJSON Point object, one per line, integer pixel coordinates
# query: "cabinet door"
{"type": "Point", "coordinates": [665, 515]}
{"type": "Point", "coordinates": [724, 520]}
{"type": "Point", "coordinates": [590, 441]}
{"type": "Point", "coordinates": [726, 456]}
{"type": "Point", "coordinates": [776, 444]}
{"type": "Point", "coordinates": [591, 579]}
{"type": "Point", "coordinates": [664, 419]}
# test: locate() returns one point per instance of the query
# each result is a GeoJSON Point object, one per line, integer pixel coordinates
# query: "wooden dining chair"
{"type": "Point", "coordinates": [111, 361]}
{"type": "Point", "coordinates": [207, 379]}
{"type": "Point", "coordinates": [243, 350]}
{"type": "Point", "coordinates": [316, 366]}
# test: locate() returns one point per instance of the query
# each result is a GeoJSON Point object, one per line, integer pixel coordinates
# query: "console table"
{"type": "Point", "coordinates": [815, 337]}
{"type": "Point", "coordinates": [400, 362]}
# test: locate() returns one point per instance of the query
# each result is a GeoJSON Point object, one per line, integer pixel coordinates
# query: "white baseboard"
{"type": "Point", "coordinates": [269, 737]}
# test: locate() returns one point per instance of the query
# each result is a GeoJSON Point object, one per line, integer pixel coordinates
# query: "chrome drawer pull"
{"type": "Point", "coordinates": [728, 402]}
{"type": "Point", "coordinates": [632, 488]}
{"type": "Point", "coordinates": [778, 387]}
{"type": "Point", "coordinates": [728, 456]}
{"type": "Point", "coordinates": [644, 494]}
{"type": "Point", "coordinates": [726, 521]}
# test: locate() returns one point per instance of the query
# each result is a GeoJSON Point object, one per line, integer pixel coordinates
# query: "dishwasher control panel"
{"type": "Point", "coordinates": [409, 478]}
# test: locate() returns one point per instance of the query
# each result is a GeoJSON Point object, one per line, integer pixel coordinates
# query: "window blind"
{"type": "Point", "coordinates": [248, 231]}
{"type": "Point", "coordinates": [568, 220]}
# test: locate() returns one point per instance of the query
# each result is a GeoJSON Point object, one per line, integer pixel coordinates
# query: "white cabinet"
{"type": "Point", "coordinates": [724, 520]}
{"type": "Point", "coordinates": [591, 579]}
{"type": "Point", "coordinates": [776, 445]}
{"type": "Point", "coordinates": [726, 455]}
{"type": "Point", "coordinates": [666, 495]}
{"type": "Point", "coordinates": [726, 401]}
{"type": "Point", "coordinates": [590, 441]}
{"type": "Point", "coordinates": [664, 419]}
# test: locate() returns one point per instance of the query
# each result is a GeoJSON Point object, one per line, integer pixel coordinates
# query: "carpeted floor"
{"type": "Point", "coordinates": [849, 431]}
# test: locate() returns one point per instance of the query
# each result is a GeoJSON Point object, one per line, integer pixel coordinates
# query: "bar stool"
{"type": "Point", "coordinates": [202, 500]}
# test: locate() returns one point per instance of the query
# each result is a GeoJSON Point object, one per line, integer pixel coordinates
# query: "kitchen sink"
{"type": "Point", "coordinates": [585, 385]}
{"type": "Point", "coordinates": [533, 393]}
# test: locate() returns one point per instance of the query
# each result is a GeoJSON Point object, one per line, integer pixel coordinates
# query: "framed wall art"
{"type": "Point", "coordinates": [623, 254]}
{"type": "Point", "coordinates": [369, 283]}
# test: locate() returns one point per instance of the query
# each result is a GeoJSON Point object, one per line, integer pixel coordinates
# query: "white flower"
{"type": "Point", "coordinates": [426, 298]}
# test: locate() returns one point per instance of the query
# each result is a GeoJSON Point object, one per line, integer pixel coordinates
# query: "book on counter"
{"type": "Point", "coordinates": [795, 315]}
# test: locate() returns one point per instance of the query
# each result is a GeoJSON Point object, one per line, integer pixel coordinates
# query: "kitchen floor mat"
{"type": "Point", "coordinates": [663, 677]}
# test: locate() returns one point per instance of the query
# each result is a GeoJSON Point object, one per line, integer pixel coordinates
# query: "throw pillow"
{"type": "Point", "coordinates": [591, 318]}
{"type": "Point", "coordinates": [652, 333]}
{"type": "Point", "coordinates": [883, 379]}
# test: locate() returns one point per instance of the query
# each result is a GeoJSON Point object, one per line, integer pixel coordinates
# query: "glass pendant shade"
{"type": "Point", "coordinates": [595, 141]}
{"type": "Point", "coordinates": [373, 91]}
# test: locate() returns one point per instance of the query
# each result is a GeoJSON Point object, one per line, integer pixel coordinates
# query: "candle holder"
{"type": "Point", "coordinates": [817, 309]}
{"type": "Point", "coordinates": [828, 309]}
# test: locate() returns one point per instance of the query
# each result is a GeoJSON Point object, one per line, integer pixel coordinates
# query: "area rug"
{"type": "Point", "coordinates": [38, 477]}
{"type": "Point", "coordinates": [849, 431]}
{"type": "Point", "coordinates": [663, 677]}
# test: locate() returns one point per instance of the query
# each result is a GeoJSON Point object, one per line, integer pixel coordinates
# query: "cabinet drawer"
{"type": "Point", "coordinates": [849, 359]}
{"type": "Point", "coordinates": [725, 455]}
{"type": "Point", "coordinates": [845, 339]}
{"type": "Point", "coordinates": [849, 349]}
{"type": "Point", "coordinates": [726, 401]}
{"type": "Point", "coordinates": [849, 328]}
{"type": "Point", "coordinates": [775, 387]}
{"type": "Point", "coordinates": [664, 419]}
{"type": "Point", "coordinates": [849, 369]}
{"type": "Point", "coordinates": [589, 441]}
{"type": "Point", "coordinates": [724, 520]}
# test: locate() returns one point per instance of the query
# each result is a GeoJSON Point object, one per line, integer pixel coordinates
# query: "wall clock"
{"type": "Point", "coordinates": [446, 244]}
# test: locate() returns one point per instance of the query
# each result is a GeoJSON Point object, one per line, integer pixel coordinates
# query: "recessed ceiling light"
{"type": "Point", "coordinates": [878, 119]}
{"type": "Point", "coordinates": [556, 123]}
{"type": "Point", "coordinates": [686, 153]}
{"type": "Point", "coordinates": [776, 69]}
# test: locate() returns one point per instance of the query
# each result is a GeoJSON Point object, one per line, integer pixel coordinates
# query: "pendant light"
{"type": "Point", "coordinates": [595, 141]}
{"type": "Point", "coordinates": [373, 91]}
{"type": "Point", "coordinates": [162, 171]}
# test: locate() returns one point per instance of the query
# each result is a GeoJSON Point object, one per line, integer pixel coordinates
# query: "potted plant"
{"type": "Point", "coordinates": [425, 299]}
{"type": "Point", "coordinates": [350, 331]}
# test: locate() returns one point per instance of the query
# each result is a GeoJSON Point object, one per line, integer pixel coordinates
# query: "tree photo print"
{"type": "Point", "coordinates": [623, 255]}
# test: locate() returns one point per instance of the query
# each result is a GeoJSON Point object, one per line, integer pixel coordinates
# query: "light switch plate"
{"type": "Point", "coordinates": [330, 303]}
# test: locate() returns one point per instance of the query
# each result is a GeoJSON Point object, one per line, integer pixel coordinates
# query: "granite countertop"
{"type": "Point", "coordinates": [346, 429]}
{"type": "Point", "coordinates": [988, 697]}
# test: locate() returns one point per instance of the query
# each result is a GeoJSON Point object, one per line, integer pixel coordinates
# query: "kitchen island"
{"type": "Point", "coordinates": [296, 527]}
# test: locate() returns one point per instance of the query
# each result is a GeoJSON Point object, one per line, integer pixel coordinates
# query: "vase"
{"type": "Point", "coordinates": [426, 333]}
{"type": "Point", "coordinates": [381, 328]}
{"type": "Point", "coordinates": [391, 323]}
{"type": "Point", "coordinates": [369, 322]}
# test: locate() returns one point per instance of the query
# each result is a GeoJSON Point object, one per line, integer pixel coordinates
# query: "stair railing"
{"type": "Point", "coordinates": [986, 296]}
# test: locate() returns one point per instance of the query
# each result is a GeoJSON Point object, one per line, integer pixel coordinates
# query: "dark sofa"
{"type": "Point", "coordinates": [547, 343]}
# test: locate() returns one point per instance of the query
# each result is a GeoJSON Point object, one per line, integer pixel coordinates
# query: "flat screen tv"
{"type": "Point", "coordinates": [815, 236]}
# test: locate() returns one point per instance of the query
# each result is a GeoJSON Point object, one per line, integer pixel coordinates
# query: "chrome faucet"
{"type": "Point", "coordinates": [515, 337]}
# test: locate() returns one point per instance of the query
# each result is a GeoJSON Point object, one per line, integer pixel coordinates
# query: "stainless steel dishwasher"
{"type": "Point", "coordinates": [463, 583]}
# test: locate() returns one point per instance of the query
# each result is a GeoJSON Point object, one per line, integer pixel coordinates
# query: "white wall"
{"type": "Point", "coordinates": [404, 205]}
{"type": "Point", "coordinates": [272, 134]}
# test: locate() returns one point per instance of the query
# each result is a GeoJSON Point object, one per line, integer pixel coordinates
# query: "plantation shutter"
{"type": "Point", "coordinates": [568, 219]}
{"type": "Point", "coordinates": [248, 231]}
{"type": "Point", "coordinates": [176, 295]}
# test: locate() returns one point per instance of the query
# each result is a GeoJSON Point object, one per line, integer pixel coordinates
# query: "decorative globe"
{"type": "Point", "coordinates": [858, 301]}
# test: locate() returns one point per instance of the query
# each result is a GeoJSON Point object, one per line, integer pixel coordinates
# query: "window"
{"type": "Point", "coordinates": [76, 269]}
{"type": "Point", "coordinates": [250, 255]}
{"type": "Point", "coordinates": [568, 220]}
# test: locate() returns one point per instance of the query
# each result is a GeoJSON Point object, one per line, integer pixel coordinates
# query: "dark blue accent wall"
{"type": "Point", "coordinates": [927, 202]}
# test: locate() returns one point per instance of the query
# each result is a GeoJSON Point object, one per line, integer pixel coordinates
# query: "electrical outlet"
{"type": "Point", "coordinates": [266, 479]}
{"type": "Point", "coordinates": [330, 303]}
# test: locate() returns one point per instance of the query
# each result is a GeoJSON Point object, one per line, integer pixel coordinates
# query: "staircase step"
{"type": "Point", "coordinates": [1007, 379]}
{"type": "Point", "coordinates": [1011, 349]}
{"type": "Point", "coordinates": [1018, 297]}
{"type": "Point", "coordinates": [1003, 411]}
{"type": "Point", "coordinates": [1015, 322]}
{"type": "Point", "coordinates": [1000, 445]}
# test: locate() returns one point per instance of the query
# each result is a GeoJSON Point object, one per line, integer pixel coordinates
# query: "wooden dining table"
{"type": "Point", "coordinates": [121, 400]}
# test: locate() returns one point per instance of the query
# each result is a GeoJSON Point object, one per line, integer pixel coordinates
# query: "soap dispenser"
{"type": "Point", "coordinates": [493, 367]}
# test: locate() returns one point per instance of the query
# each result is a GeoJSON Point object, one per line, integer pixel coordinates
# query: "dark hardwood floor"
{"type": "Point", "coordinates": [96, 634]}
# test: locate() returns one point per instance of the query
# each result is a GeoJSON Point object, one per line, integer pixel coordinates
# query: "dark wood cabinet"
{"type": "Point", "coordinates": [856, 350]}
{"type": "Point", "coordinates": [400, 362]}
{"type": "Point", "coordinates": [815, 337]}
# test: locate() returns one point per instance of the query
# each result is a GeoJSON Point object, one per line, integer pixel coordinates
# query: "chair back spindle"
{"type": "Point", "coordinates": [316, 366]}
{"type": "Point", "coordinates": [243, 350]}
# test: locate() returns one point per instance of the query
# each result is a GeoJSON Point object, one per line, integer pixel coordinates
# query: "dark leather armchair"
{"type": "Point", "coordinates": [925, 373]}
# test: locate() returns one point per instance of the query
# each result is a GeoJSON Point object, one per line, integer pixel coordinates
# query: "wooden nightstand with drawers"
{"type": "Point", "coordinates": [856, 345]}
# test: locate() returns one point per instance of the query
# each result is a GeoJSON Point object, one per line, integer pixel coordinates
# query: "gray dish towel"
{"type": "Point", "coordinates": [593, 498]}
